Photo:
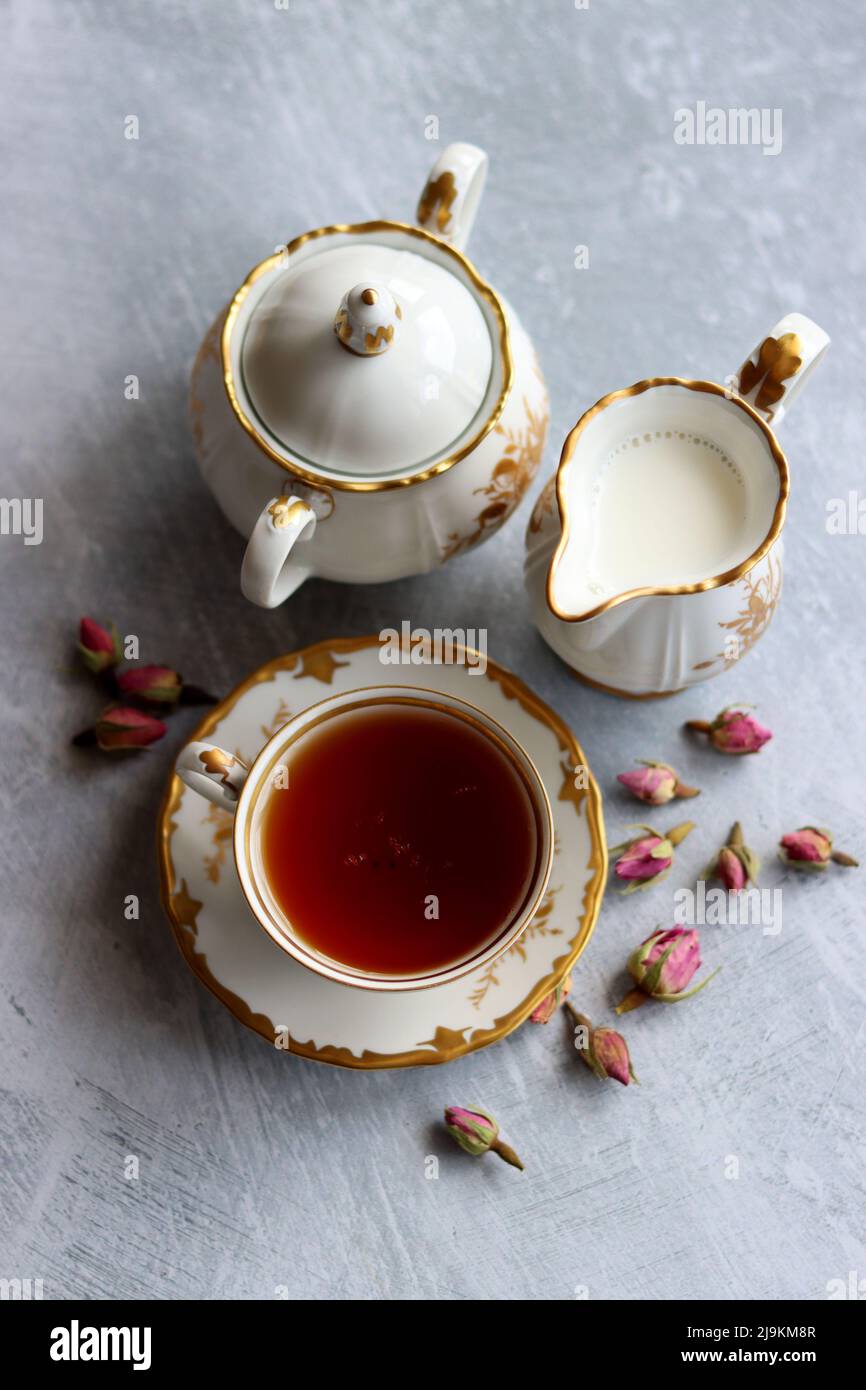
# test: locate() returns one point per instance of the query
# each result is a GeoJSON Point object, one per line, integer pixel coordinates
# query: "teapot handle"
{"type": "Point", "coordinates": [269, 573]}
{"type": "Point", "coordinates": [451, 196]}
{"type": "Point", "coordinates": [778, 367]}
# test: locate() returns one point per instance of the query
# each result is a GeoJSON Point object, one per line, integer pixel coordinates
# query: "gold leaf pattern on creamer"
{"type": "Point", "coordinates": [778, 359]}
{"type": "Point", "coordinates": [760, 598]}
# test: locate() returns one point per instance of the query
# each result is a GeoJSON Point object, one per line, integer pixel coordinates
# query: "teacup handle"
{"type": "Point", "coordinates": [448, 205]}
{"type": "Point", "coordinates": [213, 773]}
{"type": "Point", "coordinates": [777, 369]}
{"type": "Point", "coordinates": [270, 573]}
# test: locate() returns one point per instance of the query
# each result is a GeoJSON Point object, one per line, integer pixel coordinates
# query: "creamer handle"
{"type": "Point", "coordinates": [448, 205]}
{"type": "Point", "coordinates": [778, 367]}
{"type": "Point", "coordinates": [271, 571]}
{"type": "Point", "coordinates": [213, 773]}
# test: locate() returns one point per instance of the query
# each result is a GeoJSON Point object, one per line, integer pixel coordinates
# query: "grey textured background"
{"type": "Point", "coordinates": [259, 1171]}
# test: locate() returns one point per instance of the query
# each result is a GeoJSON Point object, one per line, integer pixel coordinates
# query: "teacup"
{"type": "Point", "coordinates": [323, 856]}
{"type": "Point", "coordinates": [654, 557]}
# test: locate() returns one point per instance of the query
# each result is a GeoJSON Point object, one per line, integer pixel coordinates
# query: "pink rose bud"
{"type": "Point", "coordinates": [121, 727]}
{"type": "Point", "coordinates": [809, 848]}
{"type": "Point", "coordinates": [645, 860]}
{"type": "Point", "coordinates": [476, 1131]}
{"type": "Point", "coordinates": [730, 870]}
{"type": "Point", "coordinates": [736, 866]}
{"type": "Point", "coordinates": [733, 731]}
{"type": "Point", "coordinates": [611, 1054]}
{"type": "Point", "coordinates": [604, 1050]}
{"type": "Point", "coordinates": [543, 1012]}
{"type": "Point", "coordinates": [662, 967]}
{"type": "Point", "coordinates": [157, 684]}
{"type": "Point", "coordinates": [99, 647]}
{"type": "Point", "coordinates": [655, 783]}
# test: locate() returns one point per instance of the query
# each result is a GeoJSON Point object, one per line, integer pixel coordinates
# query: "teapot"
{"type": "Point", "coordinates": [366, 407]}
{"type": "Point", "coordinates": [654, 555]}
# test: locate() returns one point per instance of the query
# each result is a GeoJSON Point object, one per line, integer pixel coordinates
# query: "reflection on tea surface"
{"type": "Point", "coordinates": [404, 841]}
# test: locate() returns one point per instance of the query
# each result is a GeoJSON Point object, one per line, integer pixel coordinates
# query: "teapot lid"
{"type": "Point", "coordinates": [370, 355]}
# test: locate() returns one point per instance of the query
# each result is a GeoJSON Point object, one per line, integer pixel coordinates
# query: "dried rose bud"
{"type": "Point", "coordinates": [729, 870]}
{"type": "Point", "coordinates": [156, 684]}
{"type": "Point", "coordinates": [606, 1051]}
{"type": "Point", "coordinates": [543, 1012]}
{"type": "Point", "coordinates": [735, 865]}
{"type": "Point", "coordinates": [121, 727]}
{"type": "Point", "coordinates": [733, 731]}
{"type": "Point", "coordinates": [99, 647]}
{"type": "Point", "coordinates": [662, 967]}
{"type": "Point", "coordinates": [809, 848]}
{"type": "Point", "coordinates": [655, 783]}
{"type": "Point", "coordinates": [645, 860]}
{"type": "Point", "coordinates": [160, 685]}
{"type": "Point", "coordinates": [476, 1131]}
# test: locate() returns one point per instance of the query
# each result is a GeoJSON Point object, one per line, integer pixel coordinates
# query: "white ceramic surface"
{"type": "Point", "coordinates": [653, 558]}
{"type": "Point", "coordinates": [401, 439]}
{"type": "Point", "coordinates": [305, 1013]}
{"type": "Point", "coordinates": [363, 414]}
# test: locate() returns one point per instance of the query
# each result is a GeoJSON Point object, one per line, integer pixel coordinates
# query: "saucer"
{"type": "Point", "coordinates": [305, 1014]}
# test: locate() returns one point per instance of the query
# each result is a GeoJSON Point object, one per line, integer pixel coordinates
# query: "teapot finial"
{"type": "Point", "coordinates": [367, 319]}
